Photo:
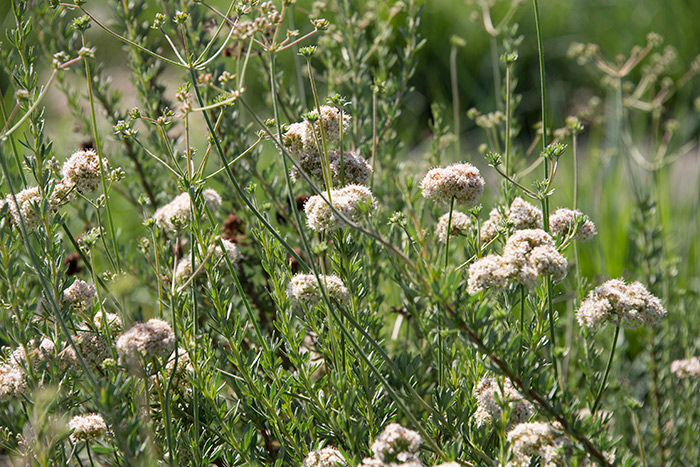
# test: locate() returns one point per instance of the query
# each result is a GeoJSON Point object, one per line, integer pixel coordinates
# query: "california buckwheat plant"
{"type": "Point", "coordinates": [312, 233]}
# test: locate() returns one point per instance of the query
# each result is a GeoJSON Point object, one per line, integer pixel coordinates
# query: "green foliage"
{"type": "Point", "coordinates": [183, 116]}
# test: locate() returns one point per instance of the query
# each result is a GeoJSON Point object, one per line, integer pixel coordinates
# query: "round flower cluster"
{"type": "Point", "coordinates": [348, 201]}
{"type": "Point", "coordinates": [518, 216]}
{"type": "Point", "coordinates": [92, 346]}
{"type": "Point", "coordinates": [326, 457]}
{"type": "Point", "coordinates": [112, 320]}
{"type": "Point", "coordinates": [152, 339]}
{"type": "Point", "coordinates": [395, 446]}
{"type": "Point", "coordinates": [530, 253]}
{"type": "Point", "coordinates": [39, 352]}
{"type": "Point", "coordinates": [183, 270]}
{"type": "Point", "coordinates": [13, 380]}
{"type": "Point", "coordinates": [80, 295]}
{"type": "Point", "coordinates": [492, 394]}
{"type": "Point", "coordinates": [180, 365]}
{"type": "Point", "coordinates": [303, 288]}
{"type": "Point", "coordinates": [460, 224]}
{"type": "Point", "coordinates": [82, 170]}
{"type": "Point", "coordinates": [686, 368]}
{"type": "Point", "coordinates": [527, 254]}
{"type": "Point", "coordinates": [523, 215]}
{"type": "Point", "coordinates": [488, 272]}
{"type": "Point", "coordinates": [177, 212]}
{"type": "Point", "coordinates": [298, 139]}
{"type": "Point", "coordinates": [354, 170]}
{"type": "Point", "coordinates": [628, 305]}
{"type": "Point", "coordinates": [330, 118]}
{"type": "Point", "coordinates": [564, 221]}
{"type": "Point", "coordinates": [230, 248]}
{"type": "Point", "coordinates": [23, 208]}
{"type": "Point", "coordinates": [543, 440]}
{"type": "Point", "coordinates": [461, 182]}
{"type": "Point", "coordinates": [489, 228]}
{"type": "Point", "coordinates": [303, 141]}
{"type": "Point", "coordinates": [87, 427]}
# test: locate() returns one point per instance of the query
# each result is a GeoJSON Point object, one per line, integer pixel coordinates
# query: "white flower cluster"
{"type": "Point", "coordinates": [230, 248]}
{"type": "Point", "coordinates": [303, 141]}
{"type": "Point", "coordinates": [87, 427]}
{"type": "Point", "coordinates": [82, 170]}
{"type": "Point", "coordinates": [184, 269]}
{"type": "Point", "coordinates": [629, 305]}
{"type": "Point", "coordinates": [489, 228]}
{"type": "Point", "coordinates": [461, 182]}
{"type": "Point", "coordinates": [396, 446]}
{"type": "Point", "coordinates": [304, 289]}
{"type": "Point", "coordinates": [348, 201]}
{"type": "Point", "coordinates": [329, 118]}
{"type": "Point", "coordinates": [24, 209]}
{"type": "Point", "coordinates": [81, 173]}
{"type": "Point", "coordinates": [527, 254]}
{"type": "Point", "coordinates": [176, 213]}
{"type": "Point", "coordinates": [180, 365]}
{"type": "Point", "coordinates": [460, 224]}
{"type": "Point", "coordinates": [354, 170]}
{"type": "Point", "coordinates": [111, 320]}
{"type": "Point", "coordinates": [564, 221]}
{"type": "Point", "coordinates": [80, 295]}
{"type": "Point", "coordinates": [686, 368]}
{"type": "Point", "coordinates": [325, 457]}
{"type": "Point", "coordinates": [523, 215]}
{"type": "Point", "coordinates": [492, 394]}
{"type": "Point", "coordinates": [543, 440]}
{"type": "Point", "coordinates": [92, 346]}
{"type": "Point", "coordinates": [13, 378]}
{"type": "Point", "coordinates": [520, 215]}
{"type": "Point", "coordinates": [152, 339]}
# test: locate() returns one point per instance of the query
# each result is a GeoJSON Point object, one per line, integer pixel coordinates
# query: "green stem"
{"type": "Point", "coordinates": [455, 100]}
{"type": "Point", "coordinates": [547, 176]}
{"type": "Point", "coordinates": [596, 403]}
{"type": "Point", "coordinates": [640, 443]}
{"type": "Point", "coordinates": [447, 237]}
{"type": "Point", "coordinates": [374, 137]}
{"type": "Point", "coordinates": [522, 310]}
{"type": "Point", "coordinates": [103, 176]}
{"type": "Point", "coordinates": [508, 117]}
{"type": "Point", "coordinates": [324, 148]}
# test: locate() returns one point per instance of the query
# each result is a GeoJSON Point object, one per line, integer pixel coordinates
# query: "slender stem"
{"type": "Point", "coordinates": [496, 70]}
{"type": "Point", "coordinates": [540, 52]}
{"type": "Point", "coordinates": [31, 109]}
{"type": "Point", "coordinates": [575, 154]}
{"type": "Point", "coordinates": [447, 238]}
{"type": "Point", "coordinates": [324, 149]}
{"type": "Point", "coordinates": [596, 403]}
{"type": "Point", "coordinates": [98, 149]}
{"type": "Point", "coordinates": [455, 99]}
{"type": "Point", "coordinates": [522, 309]}
{"type": "Point", "coordinates": [509, 110]}
{"type": "Point", "coordinates": [545, 200]}
{"type": "Point", "coordinates": [374, 137]}
{"type": "Point", "coordinates": [342, 162]}
{"type": "Point", "coordinates": [89, 453]}
{"type": "Point", "coordinates": [640, 442]}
